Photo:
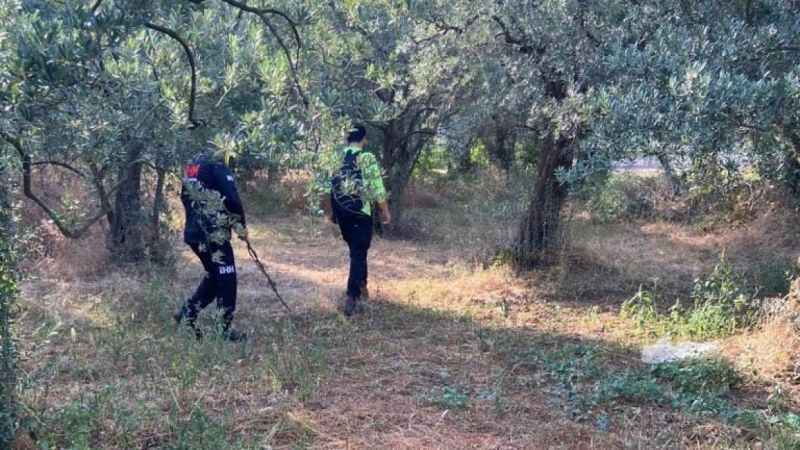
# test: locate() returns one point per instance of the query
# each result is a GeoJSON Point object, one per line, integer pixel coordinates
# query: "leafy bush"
{"type": "Point", "coordinates": [773, 277]}
{"type": "Point", "coordinates": [721, 305]}
{"type": "Point", "coordinates": [641, 307]}
{"type": "Point", "coordinates": [723, 189]}
{"type": "Point", "coordinates": [632, 386]}
{"type": "Point", "coordinates": [696, 385]}
{"type": "Point", "coordinates": [701, 376]}
{"type": "Point", "coordinates": [622, 197]}
{"type": "Point", "coordinates": [699, 386]}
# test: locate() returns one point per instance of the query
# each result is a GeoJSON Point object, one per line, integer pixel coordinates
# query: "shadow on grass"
{"type": "Point", "coordinates": [323, 380]}
{"type": "Point", "coordinates": [399, 361]}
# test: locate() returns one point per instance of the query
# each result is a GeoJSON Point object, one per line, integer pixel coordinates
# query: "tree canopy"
{"type": "Point", "coordinates": [116, 90]}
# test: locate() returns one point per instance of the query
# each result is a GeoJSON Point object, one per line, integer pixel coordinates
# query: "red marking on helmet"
{"type": "Point", "coordinates": [192, 170]}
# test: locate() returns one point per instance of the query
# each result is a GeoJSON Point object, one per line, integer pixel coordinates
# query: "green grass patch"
{"type": "Point", "coordinates": [721, 305]}
{"type": "Point", "coordinates": [448, 397]}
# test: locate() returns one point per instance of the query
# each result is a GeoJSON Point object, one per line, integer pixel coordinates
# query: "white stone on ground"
{"type": "Point", "coordinates": [666, 351]}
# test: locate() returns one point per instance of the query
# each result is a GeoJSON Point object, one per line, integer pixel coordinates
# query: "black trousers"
{"type": "Point", "coordinates": [218, 284]}
{"type": "Point", "coordinates": [357, 232]}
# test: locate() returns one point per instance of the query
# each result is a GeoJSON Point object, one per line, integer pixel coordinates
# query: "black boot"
{"type": "Point", "coordinates": [228, 333]}
{"type": "Point", "coordinates": [234, 336]}
{"type": "Point", "coordinates": [182, 315]}
{"type": "Point", "coordinates": [179, 315]}
{"type": "Point", "coordinates": [350, 306]}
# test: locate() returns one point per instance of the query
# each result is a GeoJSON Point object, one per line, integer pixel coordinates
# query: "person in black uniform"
{"type": "Point", "coordinates": [213, 208]}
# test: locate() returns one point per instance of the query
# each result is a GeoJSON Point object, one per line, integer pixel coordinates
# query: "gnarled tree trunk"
{"type": "Point", "coordinates": [126, 241]}
{"type": "Point", "coordinates": [676, 186]}
{"type": "Point", "coordinates": [402, 142]}
{"type": "Point", "coordinates": [500, 141]}
{"type": "Point", "coordinates": [158, 248]}
{"type": "Point", "coordinates": [540, 232]}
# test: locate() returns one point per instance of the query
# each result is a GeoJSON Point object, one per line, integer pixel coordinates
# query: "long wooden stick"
{"type": "Point", "coordinates": [263, 269]}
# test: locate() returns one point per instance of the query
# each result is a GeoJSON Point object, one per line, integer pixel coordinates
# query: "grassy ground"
{"type": "Point", "coordinates": [450, 353]}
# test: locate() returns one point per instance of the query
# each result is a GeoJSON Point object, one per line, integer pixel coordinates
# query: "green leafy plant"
{"type": "Point", "coordinates": [621, 197]}
{"type": "Point", "coordinates": [701, 376]}
{"type": "Point", "coordinates": [722, 304]}
{"type": "Point", "coordinates": [641, 307]}
{"type": "Point", "coordinates": [773, 277]}
{"type": "Point", "coordinates": [450, 398]}
{"type": "Point", "coordinates": [631, 386]}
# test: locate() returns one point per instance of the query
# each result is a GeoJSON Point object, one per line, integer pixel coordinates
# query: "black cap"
{"type": "Point", "coordinates": [356, 134]}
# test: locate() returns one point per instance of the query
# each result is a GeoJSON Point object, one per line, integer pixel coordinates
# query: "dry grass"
{"type": "Point", "coordinates": [441, 359]}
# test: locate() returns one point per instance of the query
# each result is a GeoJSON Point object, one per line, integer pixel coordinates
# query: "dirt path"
{"type": "Point", "coordinates": [397, 376]}
{"type": "Point", "coordinates": [447, 355]}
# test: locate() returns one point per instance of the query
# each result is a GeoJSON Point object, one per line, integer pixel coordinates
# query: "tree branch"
{"type": "Point", "coordinates": [28, 191]}
{"type": "Point", "coordinates": [192, 63]}
{"type": "Point", "coordinates": [96, 6]}
{"type": "Point", "coordinates": [524, 46]}
{"type": "Point", "coordinates": [265, 11]}
{"type": "Point", "coordinates": [262, 13]}
{"type": "Point", "coordinates": [60, 164]}
{"type": "Point", "coordinates": [427, 132]}
{"type": "Point", "coordinates": [582, 22]}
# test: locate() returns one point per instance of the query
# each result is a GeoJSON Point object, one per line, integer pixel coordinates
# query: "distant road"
{"type": "Point", "coordinates": [638, 165]}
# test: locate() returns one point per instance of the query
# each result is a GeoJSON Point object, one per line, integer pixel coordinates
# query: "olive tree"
{"type": "Point", "coordinates": [608, 80]}
{"type": "Point", "coordinates": [714, 82]}
{"type": "Point", "coordinates": [118, 93]}
{"type": "Point", "coordinates": [371, 62]}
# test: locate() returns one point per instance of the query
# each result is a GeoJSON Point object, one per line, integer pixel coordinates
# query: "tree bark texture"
{"type": "Point", "coordinates": [127, 243]}
{"type": "Point", "coordinates": [402, 143]}
{"type": "Point", "coordinates": [158, 248]}
{"type": "Point", "coordinates": [675, 184]}
{"type": "Point", "coordinates": [540, 232]}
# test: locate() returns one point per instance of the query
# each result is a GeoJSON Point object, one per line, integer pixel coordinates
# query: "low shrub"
{"type": "Point", "coordinates": [701, 376]}
{"type": "Point", "coordinates": [631, 386]}
{"type": "Point", "coordinates": [641, 308]}
{"type": "Point", "coordinates": [773, 277]}
{"type": "Point", "coordinates": [721, 305]}
{"type": "Point", "coordinates": [622, 197]}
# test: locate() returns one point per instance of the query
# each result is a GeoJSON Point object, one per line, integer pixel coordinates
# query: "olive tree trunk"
{"type": "Point", "coordinates": [126, 240]}
{"type": "Point", "coordinates": [159, 248]}
{"type": "Point", "coordinates": [402, 142]}
{"type": "Point", "coordinates": [675, 183]}
{"type": "Point", "coordinates": [500, 142]}
{"type": "Point", "coordinates": [540, 231]}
